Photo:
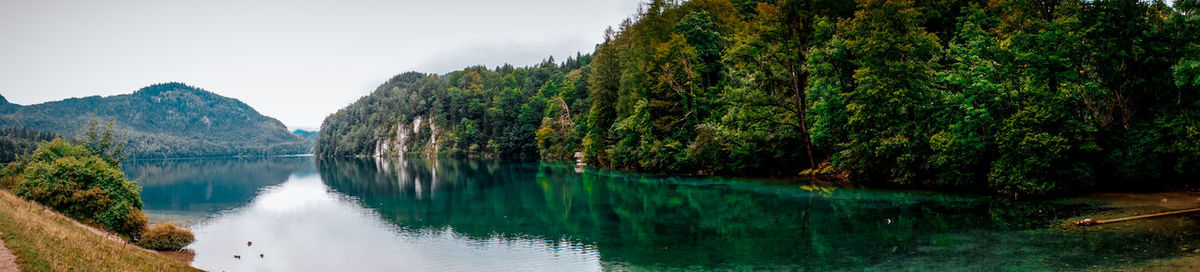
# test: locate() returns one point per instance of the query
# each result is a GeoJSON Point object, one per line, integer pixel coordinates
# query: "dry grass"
{"type": "Point", "coordinates": [46, 241]}
{"type": "Point", "coordinates": [166, 236]}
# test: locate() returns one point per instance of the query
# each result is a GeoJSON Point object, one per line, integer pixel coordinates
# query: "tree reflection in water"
{"type": "Point", "coordinates": [469, 214]}
{"type": "Point", "coordinates": [669, 222]}
{"type": "Point", "coordinates": [303, 225]}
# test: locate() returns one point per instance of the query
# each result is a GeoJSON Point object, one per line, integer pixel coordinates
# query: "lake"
{"type": "Point", "coordinates": [306, 214]}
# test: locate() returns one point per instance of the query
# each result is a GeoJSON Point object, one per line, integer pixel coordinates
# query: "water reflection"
{"type": "Point", "coordinates": [467, 215]}
{"type": "Point", "coordinates": [301, 225]}
{"type": "Point", "coordinates": [187, 190]}
{"type": "Point", "coordinates": [637, 221]}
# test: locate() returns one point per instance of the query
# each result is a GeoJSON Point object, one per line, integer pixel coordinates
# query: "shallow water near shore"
{"type": "Point", "coordinates": [306, 214]}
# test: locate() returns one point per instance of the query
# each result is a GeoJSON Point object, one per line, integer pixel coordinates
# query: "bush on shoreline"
{"type": "Point", "coordinates": [82, 180]}
{"type": "Point", "coordinates": [70, 179]}
{"type": "Point", "coordinates": [166, 236]}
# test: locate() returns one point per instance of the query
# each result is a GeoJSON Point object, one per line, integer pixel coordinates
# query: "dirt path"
{"type": "Point", "coordinates": [8, 261]}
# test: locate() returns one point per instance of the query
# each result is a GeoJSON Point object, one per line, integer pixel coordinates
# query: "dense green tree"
{"type": "Point", "coordinates": [701, 34]}
{"type": "Point", "coordinates": [103, 143]}
{"type": "Point", "coordinates": [602, 87]}
{"type": "Point", "coordinates": [831, 76]}
{"type": "Point", "coordinates": [975, 99]}
{"type": "Point", "coordinates": [1180, 126]}
{"type": "Point", "coordinates": [1044, 142]}
{"type": "Point", "coordinates": [1020, 97]}
{"type": "Point", "coordinates": [473, 112]}
{"type": "Point", "coordinates": [767, 94]}
{"type": "Point", "coordinates": [887, 120]}
{"type": "Point", "coordinates": [17, 142]}
{"type": "Point", "coordinates": [73, 180]}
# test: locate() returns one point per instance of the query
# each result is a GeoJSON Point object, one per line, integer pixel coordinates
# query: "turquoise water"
{"type": "Point", "coordinates": [492, 215]}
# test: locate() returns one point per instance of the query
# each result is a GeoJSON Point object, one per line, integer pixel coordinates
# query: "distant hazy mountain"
{"type": "Point", "coordinates": [307, 135]}
{"type": "Point", "coordinates": [165, 120]}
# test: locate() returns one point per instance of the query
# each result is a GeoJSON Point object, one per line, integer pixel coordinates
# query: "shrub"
{"type": "Point", "coordinates": [166, 236]}
{"type": "Point", "coordinates": [10, 175]}
{"type": "Point", "coordinates": [125, 219]}
{"type": "Point", "coordinates": [69, 179]}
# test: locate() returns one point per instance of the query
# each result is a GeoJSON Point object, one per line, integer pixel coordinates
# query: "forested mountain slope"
{"type": "Point", "coordinates": [165, 120]}
{"type": "Point", "coordinates": [1012, 96]}
{"type": "Point", "coordinates": [473, 112]}
{"type": "Point", "coordinates": [307, 135]}
{"type": "Point", "coordinates": [7, 107]}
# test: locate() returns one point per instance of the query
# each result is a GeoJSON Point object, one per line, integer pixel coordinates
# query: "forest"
{"type": "Point", "coordinates": [1013, 97]}
{"type": "Point", "coordinates": [16, 142]}
{"type": "Point", "coordinates": [166, 120]}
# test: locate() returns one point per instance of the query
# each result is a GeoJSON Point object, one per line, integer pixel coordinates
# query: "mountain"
{"type": "Point", "coordinates": [307, 135]}
{"type": "Point", "coordinates": [165, 120]}
{"type": "Point", "coordinates": [6, 107]}
{"type": "Point", "coordinates": [477, 112]}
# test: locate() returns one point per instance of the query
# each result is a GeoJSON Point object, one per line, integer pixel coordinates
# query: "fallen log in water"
{"type": "Point", "coordinates": [1089, 222]}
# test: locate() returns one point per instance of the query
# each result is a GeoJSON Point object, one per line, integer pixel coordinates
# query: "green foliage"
{"type": "Point", "coordinates": [166, 236]}
{"type": "Point", "coordinates": [10, 175]}
{"type": "Point", "coordinates": [974, 98]}
{"type": "Point", "coordinates": [71, 179]}
{"type": "Point", "coordinates": [1186, 25]}
{"type": "Point", "coordinates": [1178, 138]}
{"type": "Point", "coordinates": [886, 123]}
{"type": "Point", "coordinates": [15, 142]}
{"type": "Point", "coordinates": [165, 120]}
{"type": "Point", "coordinates": [101, 142]}
{"type": "Point", "coordinates": [1040, 153]}
{"type": "Point", "coordinates": [765, 113]}
{"type": "Point", "coordinates": [830, 76]}
{"type": "Point", "coordinates": [626, 151]}
{"type": "Point", "coordinates": [1187, 72]}
{"type": "Point", "coordinates": [1016, 97]}
{"type": "Point", "coordinates": [472, 112]}
{"type": "Point", "coordinates": [602, 87]}
{"type": "Point", "coordinates": [701, 34]}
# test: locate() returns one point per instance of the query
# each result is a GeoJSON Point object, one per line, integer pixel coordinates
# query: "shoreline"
{"type": "Point", "coordinates": [840, 179]}
{"type": "Point", "coordinates": [1129, 204]}
{"type": "Point", "coordinates": [44, 240]}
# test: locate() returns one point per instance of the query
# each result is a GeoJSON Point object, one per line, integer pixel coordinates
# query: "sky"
{"type": "Point", "coordinates": [294, 60]}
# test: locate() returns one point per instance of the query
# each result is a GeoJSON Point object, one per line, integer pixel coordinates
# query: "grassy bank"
{"type": "Point", "coordinates": [46, 241]}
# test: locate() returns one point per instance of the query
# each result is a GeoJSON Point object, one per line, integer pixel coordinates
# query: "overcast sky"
{"type": "Point", "coordinates": [296, 60]}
